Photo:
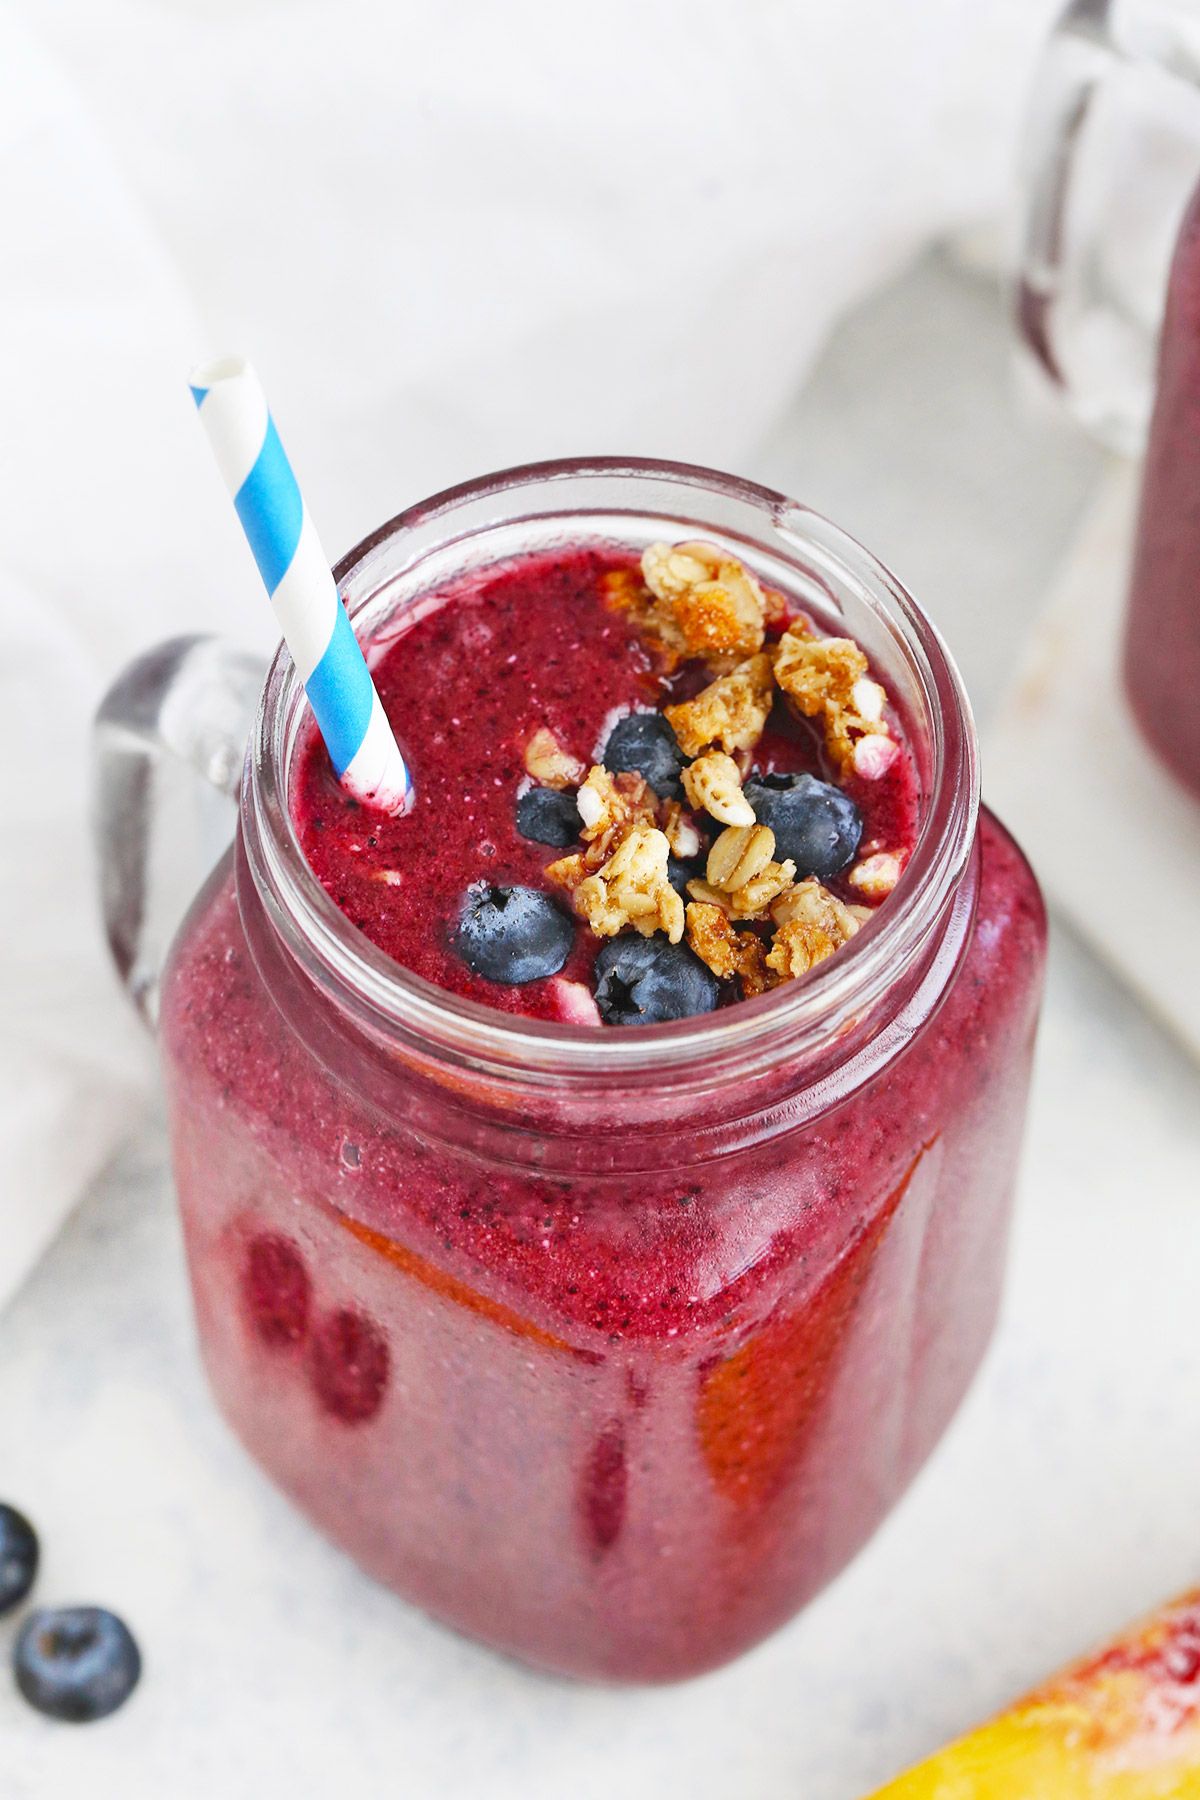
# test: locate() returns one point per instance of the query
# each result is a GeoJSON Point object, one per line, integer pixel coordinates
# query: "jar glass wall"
{"type": "Point", "coordinates": [608, 1347]}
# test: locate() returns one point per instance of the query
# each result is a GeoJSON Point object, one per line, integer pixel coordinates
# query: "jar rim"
{"type": "Point", "coordinates": [397, 1006]}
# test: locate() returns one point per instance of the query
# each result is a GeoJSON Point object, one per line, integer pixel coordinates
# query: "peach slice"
{"type": "Point", "coordinates": [1123, 1724]}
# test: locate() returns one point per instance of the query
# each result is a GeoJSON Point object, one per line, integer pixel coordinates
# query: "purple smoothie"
{"type": "Point", "coordinates": [530, 646]}
{"type": "Point", "coordinates": [610, 1366]}
{"type": "Point", "coordinates": [1162, 641]}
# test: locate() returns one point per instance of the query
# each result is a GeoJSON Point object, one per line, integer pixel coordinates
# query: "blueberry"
{"type": "Point", "coordinates": [547, 817]}
{"type": "Point", "coordinates": [18, 1557]}
{"type": "Point", "coordinates": [680, 873]}
{"type": "Point", "coordinates": [815, 824]}
{"type": "Point", "coordinates": [512, 934]}
{"type": "Point", "coordinates": [76, 1663]}
{"type": "Point", "coordinates": [646, 981]}
{"type": "Point", "coordinates": [644, 744]}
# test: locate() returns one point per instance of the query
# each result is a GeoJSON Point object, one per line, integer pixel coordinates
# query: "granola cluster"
{"type": "Point", "coordinates": [713, 784]}
{"type": "Point", "coordinates": [726, 951]}
{"type": "Point", "coordinates": [826, 679]}
{"type": "Point", "coordinates": [701, 602]}
{"type": "Point", "coordinates": [747, 918]}
{"type": "Point", "coordinates": [620, 878]}
{"type": "Point", "coordinates": [731, 712]}
{"type": "Point", "coordinates": [811, 923]}
{"type": "Point", "coordinates": [549, 764]}
{"type": "Point", "coordinates": [631, 888]}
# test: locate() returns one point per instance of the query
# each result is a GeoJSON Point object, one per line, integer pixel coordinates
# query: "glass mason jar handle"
{"type": "Point", "coordinates": [1112, 155]}
{"type": "Point", "coordinates": [168, 743]}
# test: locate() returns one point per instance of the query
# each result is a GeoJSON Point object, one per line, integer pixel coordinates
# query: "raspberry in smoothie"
{"type": "Point", "coordinates": [1162, 642]}
{"type": "Point", "coordinates": [609, 1347]}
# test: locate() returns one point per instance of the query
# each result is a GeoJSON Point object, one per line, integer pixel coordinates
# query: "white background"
{"type": "Point", "coordinates": [160, 188]}
{"type": "Point", "coordinates": [1063, 1502]}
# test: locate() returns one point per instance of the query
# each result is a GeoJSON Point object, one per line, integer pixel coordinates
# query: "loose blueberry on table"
{"type": "Point", "coordinates": [76, 1663]}
{"type": "Point", "coordinates": [18, 1557]}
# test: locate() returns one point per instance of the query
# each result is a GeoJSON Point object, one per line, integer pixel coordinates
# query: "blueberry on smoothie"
{"type": "Point", "coordinates": [512, 934]}
{"type": "Point", "coordinates": [77, 1663]}
{"type": "Point", "coordinates": [546, 816]}
{"type": "Point", "coordinates": [18, 1557]}
{"type": "Point", "coordinates": [643, 744]}
{"type": "Point", "coordinates": [680, 873]}
{"type": "Point", "coordinates": [815, 824]}
{"type": "Point", "coordinates": [646, 981]}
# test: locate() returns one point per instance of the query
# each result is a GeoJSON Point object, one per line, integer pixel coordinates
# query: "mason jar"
{"type": "Point", "coordinates": [1109, 310]}
{"type": "Point", "coordinates": [606, 1346]}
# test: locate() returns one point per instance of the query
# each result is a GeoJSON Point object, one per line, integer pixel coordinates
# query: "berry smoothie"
{"type": "Point", "coordinates": [1162, 643]}
{"type": "Point", "coordinates": [534, 667]}
{"type": "Point", "coordinates": [607, 1324]}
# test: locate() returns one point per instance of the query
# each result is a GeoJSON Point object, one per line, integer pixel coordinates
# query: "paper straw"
{"type": "Point", "coordinates": [233, 410]}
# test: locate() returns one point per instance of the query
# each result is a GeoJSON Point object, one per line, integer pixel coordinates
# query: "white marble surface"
{"type": "Point", "coordinates": [1067, 711]}
{"type": "Point", "coordinates": [1063, 1501]}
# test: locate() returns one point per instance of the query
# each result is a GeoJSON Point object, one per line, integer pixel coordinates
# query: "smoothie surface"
{"type": "Point", "coordinates": [1162, 635]}
{"type": "Point", "coordinates": [537, 645]}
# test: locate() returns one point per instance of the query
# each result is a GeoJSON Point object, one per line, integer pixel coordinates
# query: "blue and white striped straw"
{"type": "Point", "coordinates": [233, 410]}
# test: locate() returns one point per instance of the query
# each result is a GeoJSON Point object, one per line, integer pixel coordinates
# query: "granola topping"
{"type": "Point", "coordinates": [622, 813]}
{"type": "Point", "coordinates": [623, 590]}
{"type": "Point", "coordinates": [549, 763]}
{"type": "Point", "coordinates": [682, 832]}
{"type": "Point", "coordinates": [798, 947]}
{"type": "Point", "coordinates": [713, 784]}
{"type": "Point", "coordinates": [730, 712]}
{"type": "Point", "coordinates": [812, 924]}
{"type": "Point", "coordinates": [826, 679]}
{"type": "Point", "coordinates": [868, 699]}
{"type": "Point", "coordinates": [703, 602]}
{"type": "Point", "coordinates": [740, 853]}
{"type": "Point", "coordinates": [609, 804]}
{"type": "Point", "coordinates": [812, 904]}
{"type": "Point", "coordinates": [568, 871]}
{"type": "Point", "coordinates": [707, 895]}
{"type": "Point", "coordinates": [725, 951]}
{"type": "Point", "coordinates": [747, 917]}
{"type": "Point", "coordinates": [631, 888]}
{"type": "Point", "coordinates": [875, 876]}
{"type": "Point", "coordinates": [755, 896]}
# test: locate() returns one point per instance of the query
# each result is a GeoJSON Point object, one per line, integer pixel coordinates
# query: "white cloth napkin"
{"type": "Point", "coordinates": [451, 238]}
{"type": "Point", "coordinates": [1114, 838]}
